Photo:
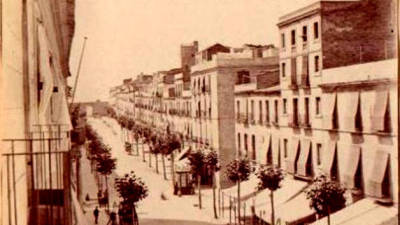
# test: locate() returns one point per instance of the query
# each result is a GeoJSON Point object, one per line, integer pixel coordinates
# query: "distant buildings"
{"type": "Point", "coordinates": [324, 102]}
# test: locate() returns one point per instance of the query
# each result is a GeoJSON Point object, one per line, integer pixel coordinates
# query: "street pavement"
{"type": "Point", "coordinates": [160, 206]}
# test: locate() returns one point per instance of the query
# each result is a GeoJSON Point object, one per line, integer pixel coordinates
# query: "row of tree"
{"type": "Point", "coordinates": [326, 196]}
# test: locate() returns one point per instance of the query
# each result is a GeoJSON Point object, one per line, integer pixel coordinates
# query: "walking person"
{"type": "Point", "coordinates": [96, 215]}
{"type": "Point", "coordinates": [113, 219]}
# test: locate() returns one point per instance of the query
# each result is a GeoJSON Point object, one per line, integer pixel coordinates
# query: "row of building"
{"type": "Point", "coordinates": [324, 101]}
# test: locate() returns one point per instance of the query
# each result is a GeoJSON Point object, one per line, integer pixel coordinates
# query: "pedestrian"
{"type": "Point", "coordinates": [112, 220]}
{"type": "Point", "coordinates": [96, 214]}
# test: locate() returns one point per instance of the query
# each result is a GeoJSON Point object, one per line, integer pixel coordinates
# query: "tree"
{"type": "Point", "coordinates": [237, 171]}
{"type": "Point", "coordinates": [105, 166]}
{"type": "Point", "coordinates": [132, 190]}
{"type": "Point", "coordinates": [197, 164]}
{"type": "Point", "coordinates": [326, 196]}
{"type": "Point", "coordinates": [212, 163]}
{"type": "Point", "coordinates": [156, 148]}
{"type": "Point", "coordinates": [136, 137]}
{"type": "Point", "coordinates": [270, 178]}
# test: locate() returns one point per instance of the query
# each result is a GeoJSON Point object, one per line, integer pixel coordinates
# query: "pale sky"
{"type": "Point", "coordinates": [126, 37]}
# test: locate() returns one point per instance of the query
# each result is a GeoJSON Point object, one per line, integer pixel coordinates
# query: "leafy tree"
{"type": "Point", "coordinates": [132, 190]}
{"type": "Point", "coordinates": [237, 171]}
{"type": "Point", "coordinates": [270, 178]}
{"type": "Point", "coordinates": [326, 196]}
{"type": "Point", "coordinates": [105, 166]}
{"type": "Point", "coordinates": [197, 164]}
{"type": "Point", "coordinates": [212, 163]}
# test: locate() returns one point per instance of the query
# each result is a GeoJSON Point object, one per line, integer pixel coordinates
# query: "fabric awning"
{"type": "Point", "coordinates": [303, 157]}
{"type": "Point", "coordinates": [290, 188]}
{"type": "Point", "coordinates": [47, 73]}
{"type": "Point", "coordinates": [291, 161]}
{"type": "Point", "coordinates": [329, 157]}
{"type": "Point", "coordinates": [304, 71]}
{"type": "Point", "coordinates": [352, 101]}
{"type": "Point", "coordinates": [379, 110]}
{"type": "Point", "coordinates": [295, 211]}
{"type": "Point", "coordinates": [329, 106]}
{"type": "Point", "coordinates": [364, 212]}
{"type": "Point", "coordinates": [354, 158]}
{"type": "Point", "coordinates": [377, 174]}
{"type": "Point", "coordinates": [184, 153]}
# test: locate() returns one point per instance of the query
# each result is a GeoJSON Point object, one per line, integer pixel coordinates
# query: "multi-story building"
{"type": "Point", "coordinates": [36, 180]}
{"type": "Point", "coordinates": [213, 79]}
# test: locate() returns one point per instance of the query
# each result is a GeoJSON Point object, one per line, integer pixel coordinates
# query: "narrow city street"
{"type": "Point", "coordinates": [161, 206]}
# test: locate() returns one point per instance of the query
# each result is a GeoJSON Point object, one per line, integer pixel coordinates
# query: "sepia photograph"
{"type": "Point", "coordinates": [212, 112]}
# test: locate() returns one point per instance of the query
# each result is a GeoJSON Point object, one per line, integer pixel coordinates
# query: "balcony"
{"type": "Point", "coordinates": [293, 121]}
{"type": "Point", "coordinates": [305, 121]}
{"type": "Point", "coordinates": [245, 87]}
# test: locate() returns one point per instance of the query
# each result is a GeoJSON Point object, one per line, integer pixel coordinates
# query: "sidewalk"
{"type": "Point", "coordinates": [89, 186]}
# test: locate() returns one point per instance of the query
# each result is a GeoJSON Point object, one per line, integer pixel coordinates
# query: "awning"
{"type": "Point", "coordinates": [329, 106]}
{"type": "Point", "coordinates": [291, 161]}
{"type": "Point", "coordinates": [329, 157]}
{"type": "Point", "coordinates": [364, 212]}
{"type": "Point", "coordinates": [184, 153]}
{"type": "Point", "coordinates": [295, 211]}
{"type": "Point", "coordinates": [352, 102]}
{"type": "Point", "coordinates": [47, 73]}
{"type": "Point", "coordinates": [248, 188]}
{"type": "Point", "coordinates": [303, 157]}
{"type": "Point", "coordinates": [375, 180]}
{"type": "Point", "coordinates": [289, 191]}
{"type": "Point", "coordinates": [304, 71]}
{"type": "Point", "coordinates": [353, 162]}
{"type": "Point", "coordinates": [379, 110]}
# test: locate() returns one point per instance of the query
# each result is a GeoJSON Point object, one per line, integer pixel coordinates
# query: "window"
{"type": "Point", "coordinates": [319, 153]}
{"type": "Point", "coordinates": [243, 77]}
{"type": "Point", "coordinates": [252, 109]}
{"type": "Point", "coordinates": [238, 109]}
{"type": "Point", "coordinates": [285, 148]}
{"type": "Point", "coordinates": [306, 111]}
{"type": "Point", "coordinates": [283, 69]}
{"type": "Point", "coordinates": [283, 40]}
{"type": "Point", "coordinates": [276, 111]}
{"type": "Point", "coordinates": [317, 105]}
{"type": "Point", "coordinates": [245, 144]}
{"type": "Point", "coordinates": [284, 106]}
{"type": "Point", "coordinates": [293, 37]}
{"type": "Point", "coordinates": [239, 144]}
{"type": "Point", "coordinates": [267, 111]}
{"type": "Point", "coordinates": [295, 111]}
{"type": "Point", "coordinates": [316, 63]}
{"type": "Point", "coordinates": [253, 146]}
{"type": "Point", "coordinates": [316, 34]}
{"type": "Point", "coordinates": [304, 34]}
{"type": "Point", "coordinates": [260, 113]}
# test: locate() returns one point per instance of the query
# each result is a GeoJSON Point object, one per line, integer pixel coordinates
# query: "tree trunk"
{"type": "Point", "coordinates": [272, 209]}
{"type": "Point", "coordinates": [149, 158]}
{"type": "Point", "coordinates": [214, 195]}
{"type": "Point", "coordinates": [157, 163]}
{"type": "Point", "coordinates": [329, 216]}
{"type": "Point", "coordinates": [238, 200]}
{"type": "Point", "coordinates": [173, 168]}
{"type": "Point", "coordinates": [199, 189]}
{"type": "Point", "coordinates": [135, 215]}
{"type": "Point", "coordinates": [137, 147]}
{"type": "Point", "coordinates": [108, 206]}
{"type": "Point", "coordinates": [144, 158]}
{"type": "Point", "coordinates": [163, 164]}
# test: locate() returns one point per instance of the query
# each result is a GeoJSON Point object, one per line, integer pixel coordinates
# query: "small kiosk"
{"type": "Point", "coordinates": [183, 178]}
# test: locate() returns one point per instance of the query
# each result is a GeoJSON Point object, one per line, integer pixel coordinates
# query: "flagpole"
{"type": "Point", "coordinates": [79, 69]}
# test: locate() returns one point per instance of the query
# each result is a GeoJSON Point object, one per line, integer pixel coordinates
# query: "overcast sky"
{"type": "Point", "coordinates": [126, 37]}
